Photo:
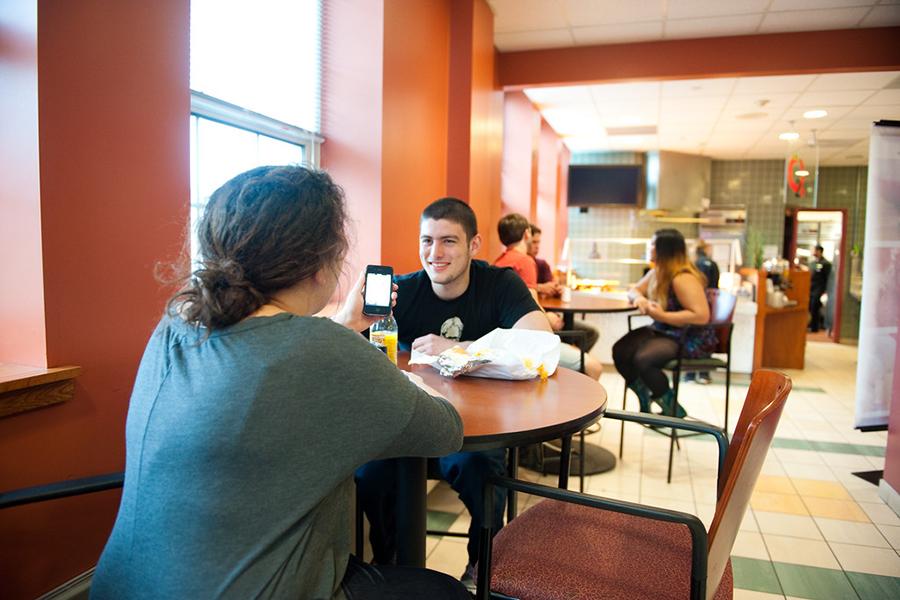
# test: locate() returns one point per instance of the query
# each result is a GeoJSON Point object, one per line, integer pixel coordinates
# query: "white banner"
{"type": "Point", "coordinates": [880, 313]}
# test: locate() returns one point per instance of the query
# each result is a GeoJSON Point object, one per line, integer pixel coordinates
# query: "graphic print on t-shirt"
{"type": "Point", "coordinates": [452, 329]}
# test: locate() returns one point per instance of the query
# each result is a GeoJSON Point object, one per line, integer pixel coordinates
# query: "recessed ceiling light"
{"type": "Point", "coordinates": [789, 136]}
{"type": "Point", "coordinates": [815, 114]}
{"type": "Point", "coordinates": [752, 115]}
{"type": "Point", "coordinates": [802, 173]}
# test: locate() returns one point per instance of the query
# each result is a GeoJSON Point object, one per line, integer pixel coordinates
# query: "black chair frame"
{"type": "Point", "coordinates": [62, 489]}
{"type": "Point", "coordinates": [676, 366]}
{"type": "Point", "coordinates": [699, 542]}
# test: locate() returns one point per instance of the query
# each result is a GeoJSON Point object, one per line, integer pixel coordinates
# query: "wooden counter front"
{"type": "Point", "coordinates": [781, 332]}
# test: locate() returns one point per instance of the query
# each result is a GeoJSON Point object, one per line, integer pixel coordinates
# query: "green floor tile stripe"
{"type": "Point", "coordinates": [802, 581]}
{"type": "Point", "coordinates": [439, 520]}
{"type": "Point", "coordinates": [834, 447]}
{"type": "Point", "coordinates": [796, 388]}
{"type": "Point", "coordinates": [875, 587]}
{"type": "Point", "coordinates": [814, 582]}
{"type": "Point", "coordinates": [756, 575]}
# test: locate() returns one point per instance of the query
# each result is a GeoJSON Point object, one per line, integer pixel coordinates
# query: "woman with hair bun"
{"type": "Point", "coordinates": [673, 294]}
{"type": "Point", "coordinates": [249, 415]}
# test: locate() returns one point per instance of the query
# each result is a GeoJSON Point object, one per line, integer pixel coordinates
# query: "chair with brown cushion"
{"type": "Point", "coordinates": [721, 313]}
{"type": "Point", "coordinates": [578, 546]}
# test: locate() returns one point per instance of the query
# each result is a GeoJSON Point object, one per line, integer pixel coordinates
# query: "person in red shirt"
{"type": "Point", "coordinates": [515, 233]}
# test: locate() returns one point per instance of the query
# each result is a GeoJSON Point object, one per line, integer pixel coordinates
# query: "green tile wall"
{"type": "Point", "coordinates": [758, 185]}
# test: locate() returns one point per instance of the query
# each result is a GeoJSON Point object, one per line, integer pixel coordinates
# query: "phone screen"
{"type": "Point", "coordinates": [378, 289]}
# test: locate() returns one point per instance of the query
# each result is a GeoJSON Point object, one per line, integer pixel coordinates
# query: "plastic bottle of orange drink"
{"type": "Point", "coordinates": [383, 335]}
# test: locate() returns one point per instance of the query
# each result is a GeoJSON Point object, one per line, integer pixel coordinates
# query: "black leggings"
{"type": "Point", "coordinates": [369, 582]}
{"type": "Point", "coordinates": [641, 354]}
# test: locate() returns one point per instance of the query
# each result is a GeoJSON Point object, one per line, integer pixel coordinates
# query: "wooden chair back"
{"type": "Point", "coordinates": [746, 454]}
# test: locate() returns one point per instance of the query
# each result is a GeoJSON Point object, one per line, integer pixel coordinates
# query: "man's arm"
{"type": "Point", "coordinates": [535, 320]}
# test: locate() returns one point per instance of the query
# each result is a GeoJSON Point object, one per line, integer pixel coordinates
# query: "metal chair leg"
{"type": "Point", "coordinates": [512, 469]}
{"type": "Point", "coordinates": [565, 456]}
{"type": "Point", "coordinates": [581, 462]}
{"type": "Point", "coordinates": [622, 425]}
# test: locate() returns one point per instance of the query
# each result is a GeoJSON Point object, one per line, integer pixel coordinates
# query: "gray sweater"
{"type": "Point", "coordinates": [240, 453]}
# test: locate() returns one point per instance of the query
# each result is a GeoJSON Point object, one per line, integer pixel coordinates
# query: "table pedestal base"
{"type": "Point", "coordinates": [596, 460]}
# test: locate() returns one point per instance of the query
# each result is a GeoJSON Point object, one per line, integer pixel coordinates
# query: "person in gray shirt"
{"type": "Point", "coordinates": [249, 415]}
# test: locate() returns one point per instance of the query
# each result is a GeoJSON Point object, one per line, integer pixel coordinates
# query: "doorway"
{"type": "Point", "coordinates": [805, 229]}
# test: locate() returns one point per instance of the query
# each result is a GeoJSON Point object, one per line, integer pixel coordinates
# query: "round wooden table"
{"type": "Point", "coordinates": [495, 414]}
{"type": "Point", "coordinates": [583, 302]}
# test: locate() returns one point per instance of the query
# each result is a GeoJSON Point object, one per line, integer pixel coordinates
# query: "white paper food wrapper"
{"type": "Point", "coordinates": [501, 354]}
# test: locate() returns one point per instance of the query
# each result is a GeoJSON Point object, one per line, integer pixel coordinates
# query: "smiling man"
{"type": "Point", "coordinates": [453, 300]}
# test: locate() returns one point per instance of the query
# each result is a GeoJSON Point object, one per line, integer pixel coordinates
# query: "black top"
{"type": "Point", "coordinates": [710, 270]}
{"type": "Point", "coordinates": [496, 297]}
{"type": "Point", "coordinates": [821, 269]}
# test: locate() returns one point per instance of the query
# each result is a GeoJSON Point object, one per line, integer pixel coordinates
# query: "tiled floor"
{"type": "Point", "coordinates": [814, 530]}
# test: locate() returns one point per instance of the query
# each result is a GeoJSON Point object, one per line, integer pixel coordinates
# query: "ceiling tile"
{"type": "Point", "coordinates": [685, 9]}
{"type": "Point", "coordinates": [692, 88]}
{"type": "Point", "coordinates": [625, 92]}
{"type": "Point", "coordinates": [876, 113]}
{"type": "Point", "coordinates": [845, 98]}
{"type": "Point", "coordinates": [885, 97]}
{"type": "Point", "coordinates": [842, 134]}
{"type": "Point", "coordinates": [772, 85]}
{"type": "Point", "coordinates": [605, 12]}
{"type": "Point", "coordinates": [857, 124]}
{"type": "Point", "coordinates": [617, 34]}
{"type": "Point", "coordinates": [527, 15]}
{"type": "Point", "coordinates": [812, 20]}
{"type": "Point", "coordinates": [882, 16]}
{"type": "Point", "coordinates": [852, 81]}
{"type": "Point", "coordinates": [572, 122]}
{"type": "Point", "coordinates": [782, 5]}
{"type": "Point", "coordinates": [712, 26]}
{"type": "Point", "coordinates": [560, 96]}
{"type": "Point", "coordinates": [531, 40]}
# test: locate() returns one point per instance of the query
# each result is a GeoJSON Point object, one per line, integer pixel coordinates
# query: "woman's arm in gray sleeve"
{"type": "Point", "coordinates": [434, 429]}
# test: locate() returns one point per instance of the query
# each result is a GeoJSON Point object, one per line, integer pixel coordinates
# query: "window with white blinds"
{"type": "Point", "coordinates": [255, 79]}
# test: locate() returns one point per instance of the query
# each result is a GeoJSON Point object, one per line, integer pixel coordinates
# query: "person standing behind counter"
{"type": "Point", "coordinates": [239, 453]}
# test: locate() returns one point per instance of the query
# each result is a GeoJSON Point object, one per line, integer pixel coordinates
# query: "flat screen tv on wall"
{"type": "Point", "coordinates": [592, 185]}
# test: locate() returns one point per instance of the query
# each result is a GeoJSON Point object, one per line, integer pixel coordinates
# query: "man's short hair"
{"type": "Point", "coordinates": [535, 230]}
{"type": "Point", "coordinates": [512, 228]}
{"type": "Point", "coordinates": [454, 210]}
{"type": "Point", "coordinates": [820, 248]}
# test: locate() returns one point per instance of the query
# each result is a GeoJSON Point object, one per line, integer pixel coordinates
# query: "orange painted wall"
{"type": "Point", "coordinates": [414, 125]}
{"type": "Point", "coordinates": [353, 36]}
{"type": "Point", "coordinates": [22, 295]}
{"type": "Point", "coordinates": [114, 190]}
{"type": "Point", "coordinates": [521, 133]}
{"type": "Point", "coordinates": [562, 209]}
{"type": "Point", "coordinates": [870, 49]}
{"type": "Point", "coordinates": [549, 147]}
{"type": "Point", "coordinates": [485, 126]}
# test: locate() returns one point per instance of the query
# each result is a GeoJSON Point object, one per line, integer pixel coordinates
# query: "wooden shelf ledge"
{"type": "Point", "coordinates": [25, 388]}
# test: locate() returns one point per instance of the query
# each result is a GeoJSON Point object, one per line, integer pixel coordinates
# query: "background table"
{"type": "Point", "coordinates": [495, 414]}
{"type": "Point", "coordinates": [583, 302]}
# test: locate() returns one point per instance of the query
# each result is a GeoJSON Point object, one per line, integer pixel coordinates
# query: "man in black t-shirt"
{"type": "Point", "coordinates": [453, 300]}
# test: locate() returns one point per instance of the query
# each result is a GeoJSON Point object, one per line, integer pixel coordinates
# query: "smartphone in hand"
{"type": "Point", "coordinates": [377, 300]}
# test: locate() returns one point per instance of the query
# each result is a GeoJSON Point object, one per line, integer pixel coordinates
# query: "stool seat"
{"type": "Point", "coordinates": [696, 364]}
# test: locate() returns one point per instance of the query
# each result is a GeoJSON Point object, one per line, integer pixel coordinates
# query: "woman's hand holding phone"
{"type": "Point", "coordinates": [351, 313]}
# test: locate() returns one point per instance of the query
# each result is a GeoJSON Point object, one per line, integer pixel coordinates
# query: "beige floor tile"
{"type": "Point", "coordinates": [869, 494]}
{"type": "Point", "coordinates": [805, 471]}
{"type": "Point", "coordinates": [706, 512]}
{"type": "Point", "coordinates": [751, 595]}
{"type": "Point", "coordinates": [749, 544]}
{"type": "Point", "coordinates": [846, 510]}
{"type": "Point", "coordinates": [444, 499]}
{"type": "Point", "coordinates": [783, 503]}
{"type": "Point", "coordinates": [863, 559]}
{"type": "Point", "coordinates": [891, 533]}
{"type": "Point", "coordinates": [431, 543]}
{"type": "Point", "coordinates": [683, 491]}
{"type": "Point", "coordinates": [801, 526]}
{"type": "Point", "coordinates": [774, 484]}
{"type": "Point", "coordinates": [748, 523]}
{"type": "Point", "coordinates": [806, 457]}
{"type": "Point", "coordinates": [449, 556]}
{"type": "Point", "coordinates": [462, 522]}
{"type": "Point", "coordinates": [880, 513]}
{"type": "Point", "coordinates": [670, 503]}
{"type": "Point", "coordinates": [850, 461]}
{"type": "Point", "coordinates": [798, 551]}
{"type": "Point", "coordinates": [851, 532]}
{"type": "Point", "coordinates": [820, 489]}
